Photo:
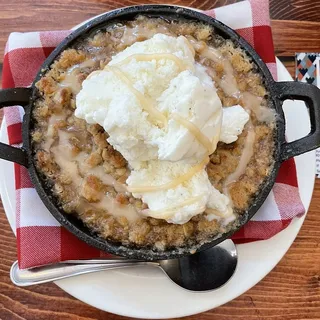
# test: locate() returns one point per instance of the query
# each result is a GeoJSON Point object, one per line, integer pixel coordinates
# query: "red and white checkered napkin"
{"type": "Point", "coordinates": [40, 238]}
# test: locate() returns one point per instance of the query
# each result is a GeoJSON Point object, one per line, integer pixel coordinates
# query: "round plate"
{"type": "Point", "coordinates": [145, 292]}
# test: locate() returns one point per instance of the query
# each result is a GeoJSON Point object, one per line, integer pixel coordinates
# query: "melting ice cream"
{"type": "Point", "coordinates": [162, 113]}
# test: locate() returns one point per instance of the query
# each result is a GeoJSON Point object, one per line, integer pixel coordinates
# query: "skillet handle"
{"type": "Point", "coordinates": [12, 97]}
{"type": "Point", "coordinates": [310, 94]}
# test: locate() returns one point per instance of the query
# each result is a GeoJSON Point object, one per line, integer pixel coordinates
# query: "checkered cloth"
{"type": "Point", "coordinates": [40, 238]}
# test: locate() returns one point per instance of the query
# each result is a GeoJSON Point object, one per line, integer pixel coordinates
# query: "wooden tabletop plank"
{"type": "Point", "coordinates": [295, 36]}
{"type": "Point", "coordinates": [305, 10]}
{"type": "Point", "coordinates": [290, 292]}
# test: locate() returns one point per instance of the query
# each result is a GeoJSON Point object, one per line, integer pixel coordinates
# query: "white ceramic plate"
{"type": "Point", "coordinates": [146, 292]}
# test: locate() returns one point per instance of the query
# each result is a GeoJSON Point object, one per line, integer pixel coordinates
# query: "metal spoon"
{"type": "Point", "coordinates": [206, 270]}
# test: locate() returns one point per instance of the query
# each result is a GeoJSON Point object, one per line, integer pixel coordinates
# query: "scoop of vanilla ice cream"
{"type": "Point", "coordinates": [172, 204]}
{"type": "Point", "coordinates": [161, 74]}
{"type": "Point", "coordinates": [172, 87]}
{"type": "Point", "coordinates": [105, 99]}
{"type": "Point", "coordinates": [193, 98]}
{"type": "Point", "coordinates": [152, 77]}
{"type": "Point", "coordinates": [233, 121]}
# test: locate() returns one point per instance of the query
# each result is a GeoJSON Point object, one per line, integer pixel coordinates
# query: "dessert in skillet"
{"type": "Point", "coordinates": [154, 133]}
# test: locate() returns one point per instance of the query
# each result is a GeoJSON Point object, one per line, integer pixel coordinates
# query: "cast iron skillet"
{"type": "Point", "coordinates": [278, 92]}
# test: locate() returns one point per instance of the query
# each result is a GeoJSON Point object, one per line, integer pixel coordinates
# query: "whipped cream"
{"type": "Point", "coordinates": [179, 204]}
{"type": "Point", "coordinates": [180, 89]}
{"type": "Point", "coordinates": [233, 121]}
{"type": "Point", "coordinates": [162, 113]}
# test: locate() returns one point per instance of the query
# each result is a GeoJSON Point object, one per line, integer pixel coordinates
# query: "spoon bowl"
{"type": "Point", "coordinates": [206, 270]}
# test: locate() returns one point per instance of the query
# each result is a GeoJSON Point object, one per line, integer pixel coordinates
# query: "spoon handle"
{"type": "Point", "coordinates": [67, 269]}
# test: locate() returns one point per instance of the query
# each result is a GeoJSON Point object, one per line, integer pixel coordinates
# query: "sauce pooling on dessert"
{"type": "Point", "coordinates": [82, 176]}
{"type": "Point", "coordinates": [245, 158]}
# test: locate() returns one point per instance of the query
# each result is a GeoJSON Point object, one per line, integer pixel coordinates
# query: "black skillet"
{"type": "Point", "coordinates": [278, 92]}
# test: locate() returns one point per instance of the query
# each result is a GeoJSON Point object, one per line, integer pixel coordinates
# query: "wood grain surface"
{"type": "Point", "coordinates": [291, 291]}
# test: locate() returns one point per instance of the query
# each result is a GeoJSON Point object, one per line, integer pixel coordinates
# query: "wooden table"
{"type": "Point", "coordinates": [290, 291]}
